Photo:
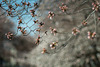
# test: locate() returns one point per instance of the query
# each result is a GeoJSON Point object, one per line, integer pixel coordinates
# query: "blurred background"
{"type": "Point", "coordinates": [78, 51]}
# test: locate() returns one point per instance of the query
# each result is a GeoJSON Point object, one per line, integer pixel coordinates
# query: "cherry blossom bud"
{"type": "Point", "coordinates": [50, 15]}
{"type": "Point", "coordinates": [75, 31]}
{"type": "Point", "coordinates": [91, 35]}
{"type": "Point", "coordinates": [43, 51]}
{"type": "Point", "coordinates": [63, 7]}
{"type": "Point", "coordinates": [53, 45]}
{"type": "Point", "coordinates": [9, 35]}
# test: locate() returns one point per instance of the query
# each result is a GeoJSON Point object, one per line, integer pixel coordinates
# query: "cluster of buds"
{"type": "Point", "coordinates": [9, 13]}
{"type": "Point", "coordinates": [51, 15]}
{"type": "Point", "coordinates": [95, 6]}
{"type": "Point", "coordinates": [9, 35]}
{"type": "Point", "coordinates": [28, 4]}
{"type": "Point", "coordinates": [38, 30]}
{"type": "Point", "coordinates": [20, 21]}
{"type": "Point", "coordinates": [35, 21]}
{"type": "Point", "coordinates": [24, 3]}
{"type": "Point", "coordinates": [19, 27]}
{"type": "Point", "coordinates": [63, 7]}
{"type": "Point", "coordinates": [75, 31]}
{"type": "Point", "coordinates": [37, 40]}
{"type": "Point", "coordinates": [53, 30]}
{"type": "Point", "coordinates": [84, 23]}
{"type": "Point", "coordinates": [44, 51]}
{"type": "Point", "coordinates": [36, 5]}
{"type": "Point", "coordinates": [53, 45]}
{"type": "Point", "coordinates": [10, 7]}
{"type": "Point", "coordinates": [23, 31]}
{"type": "Point", "coordinates": [41, 24]}
{"type": "Point", "coordinates": [17, 4]}
{"type": "Point", "coordinates": [91, 35]}
{"type": "Point", "coordinates": [33, 13]}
